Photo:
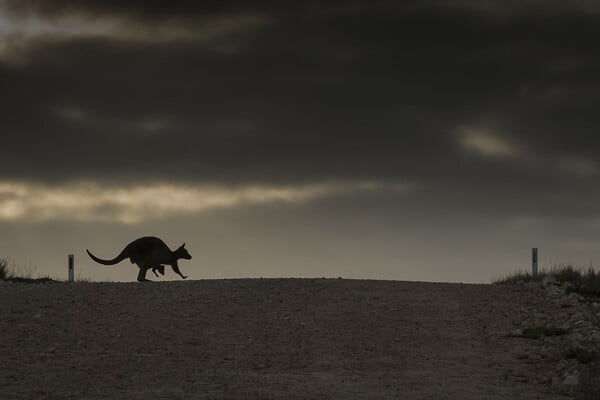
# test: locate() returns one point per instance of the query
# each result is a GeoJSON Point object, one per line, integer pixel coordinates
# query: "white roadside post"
{"type": "Point", "coordinates": [71, 268]}
{"type": "Point", "coordinates": [534, 261]}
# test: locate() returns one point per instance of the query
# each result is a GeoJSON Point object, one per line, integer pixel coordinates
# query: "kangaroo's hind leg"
{"type": "Point", "coordinates": [142, 274]}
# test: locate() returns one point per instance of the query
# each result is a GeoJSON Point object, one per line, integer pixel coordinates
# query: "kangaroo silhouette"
{"type": "Point", "coordinates": [148, 252]}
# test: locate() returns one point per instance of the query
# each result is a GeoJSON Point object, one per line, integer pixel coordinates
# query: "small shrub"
{"type": "Point", "coordinates": [5, 271]}
{"type": "Point", "coordinates": [22, 271]}
{"type": "Point", "coordinates": [585, 282]}
{"type": "Point", "coordinates": [590, 283]}
{"type": "Point", "coordinates": [19, 274]}
{"type": "Point", "coordinates": [522, 276]}
{"type": "Point", "coordinates": [566, 273]}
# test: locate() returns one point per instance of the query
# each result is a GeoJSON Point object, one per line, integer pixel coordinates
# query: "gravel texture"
{"type": "Point", "coordinates": [277, 339]}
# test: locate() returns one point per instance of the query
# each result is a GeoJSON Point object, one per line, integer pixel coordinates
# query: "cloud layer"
{"type": "Point", "coordinates": [91, 202]}
{"type": "Point", "coordinates": [458, 94]}
{"type": "Point", "coordinates": [489, 109]}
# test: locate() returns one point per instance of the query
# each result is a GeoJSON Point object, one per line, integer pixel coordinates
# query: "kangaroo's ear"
{"type": "Point", "coordinates": [183, 245]}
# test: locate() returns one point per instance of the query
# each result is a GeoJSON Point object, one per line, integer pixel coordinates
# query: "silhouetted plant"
{"type": "Point", "coordinates": [585, 282]}
{"type": "Point", "coordinates": [12, 272]}
{"type": "Point", "coordinates": [5, 271]}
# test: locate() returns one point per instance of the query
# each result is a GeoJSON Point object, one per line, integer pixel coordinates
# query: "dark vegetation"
{"type": "Point", "coordinates": [585, 281]}
{"type": "Point", "coordinates": [10, 272]}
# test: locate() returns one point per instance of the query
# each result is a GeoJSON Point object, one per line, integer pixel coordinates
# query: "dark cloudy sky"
{"type": "Point", "coordinates": [422, 140]}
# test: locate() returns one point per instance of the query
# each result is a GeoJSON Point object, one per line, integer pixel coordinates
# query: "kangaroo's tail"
{"type": "Point", "coordinates": [114, 261]}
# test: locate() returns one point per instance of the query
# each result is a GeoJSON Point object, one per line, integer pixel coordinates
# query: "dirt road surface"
{"type": "Point", "coordinates": [271, 339]}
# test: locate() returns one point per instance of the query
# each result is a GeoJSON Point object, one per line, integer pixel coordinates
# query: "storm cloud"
{"type": "Point", "coordinates": [485, 110]}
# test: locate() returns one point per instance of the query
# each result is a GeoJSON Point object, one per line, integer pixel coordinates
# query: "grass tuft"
{"type": "Point", "coordinates": [583, 281]}
{"type": "Point", "coordinates": [521, 276]}
{"type": "Point", "coordinates": [11, 272]}
{"type": "Point", "coordinates": [5, 270]}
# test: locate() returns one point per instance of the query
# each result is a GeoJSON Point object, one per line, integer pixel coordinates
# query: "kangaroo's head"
{"type": "Point", "coordinates": [181, 252]}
